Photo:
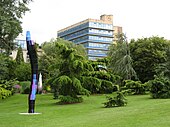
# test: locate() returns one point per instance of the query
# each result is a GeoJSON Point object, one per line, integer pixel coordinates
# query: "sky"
{"type": "Point", "coordinates": [139, 18]}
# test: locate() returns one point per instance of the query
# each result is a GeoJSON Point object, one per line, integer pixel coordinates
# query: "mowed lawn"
{"type": "Point", "coordinates": [141, 111]}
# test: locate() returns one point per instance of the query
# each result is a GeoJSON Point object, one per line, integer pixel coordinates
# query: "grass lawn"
{"type": "Point", "coordinates": [141, 111]}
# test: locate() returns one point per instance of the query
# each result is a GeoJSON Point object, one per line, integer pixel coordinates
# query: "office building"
{"type": "Point", "coordinates": [95, 35]}
{"type": "Point", "coordinates": [117, 31]}
{"type": "Point", "coordinates": [20, 43]}
{"type": "Point", "coordinates": [23, 45]}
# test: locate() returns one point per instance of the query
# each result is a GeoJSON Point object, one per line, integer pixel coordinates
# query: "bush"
{"type": "Point", "coordinates": [23, 72]}
{"type": "Point", "coordinates": [17, 88]}
{"type": "Point", "coordinates": [106, 87]}
{"type": "Point", "coordinates": [26, 90]}
{"type": "Point", "coordinates": [4, 93]}
{"type": "Point", "coordinates": [7, 88]}
{"type": "Point", "coordinates": [160, 88]}
{"type": "Point", "coordinates": [8, 85]}
{"type": "Point", "coordinates": [25, 87]}
{"type": "Point", "coordinates": [91, 83]}
{"type": "Point", "coordinates": [7, 67]}
{"type": "Point", "coordinates": [116, 101]}
{"type": "Point", "coordinates": [135, 87]}
{"type": "Point", "coordinates": [70, 100]}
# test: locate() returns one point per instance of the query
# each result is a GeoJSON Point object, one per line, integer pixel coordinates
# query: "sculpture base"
{"type": "Point", "coordinates": [26, 113]}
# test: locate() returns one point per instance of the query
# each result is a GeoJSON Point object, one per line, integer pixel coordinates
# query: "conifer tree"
{"type": "Point", "coordinates": [71, 68]}
{"type": "Point", "coordinates": [19, 58]}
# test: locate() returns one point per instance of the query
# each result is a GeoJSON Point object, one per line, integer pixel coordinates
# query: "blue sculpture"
{"type": "Point", "coordinates": [34, 68]}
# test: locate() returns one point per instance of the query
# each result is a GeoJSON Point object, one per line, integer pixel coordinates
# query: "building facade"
{"type": "Point", "coordinates": [23, 45]}
{"type": "Point", "coordinates": [20, 43]}
{"type": "Point", "coordinates": [95, 35]}
{"type": "Point", "coordinates": [117, 31]}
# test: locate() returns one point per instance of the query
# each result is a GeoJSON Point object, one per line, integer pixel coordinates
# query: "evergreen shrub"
{"type": "Point", "coordinates": [160, 88]}
{"type": "Point", "coordinates": [70, 100]}
{"type": "Point", "coordinates": [135, 87]}
{"type": "Point", "coordinates": [115, 101]}
{"type": "Point", "coordinates": [25, 87]}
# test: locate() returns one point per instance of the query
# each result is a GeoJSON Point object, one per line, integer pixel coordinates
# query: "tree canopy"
{"type": "Point", "coordinates": [50, 60]}
{"type": "Point", "coordinates": [11, 13]}
{"type": "Point", "coordinates": [147, 55]}
{"type": "Point", "coordinates": [7, 67]}
{"type": "Point", "coordinates": [120, 58]}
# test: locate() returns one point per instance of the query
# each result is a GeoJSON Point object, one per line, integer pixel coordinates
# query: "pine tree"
{"type": "Point", "coordinates": [68, 83]}
{"type": "Point", "coordinates": [19, 58]}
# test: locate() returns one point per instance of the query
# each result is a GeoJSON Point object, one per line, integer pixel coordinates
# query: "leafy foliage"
{"type": "Point", "coordinates": [106, 87]}
{"type": "Point", "coordinates": [50, 62]}
{"type": "Point", "coordinates": [4, 93]}
{"type": "Point", "coordinates": [3, 67]}
{"type": "Point", "coordinates": [19, 58]}
{"type": "Point", "coordinates": [115, 101]}
{"type": "Point", "coordinates": [65, 67]}
{"type": "Point", "coordinates": [160, 87]}
{"type": "Point", "coordinates": [147, 55]}
{"type": "Point", "coordinates": [136, 87]}
{"type": "Point", "coordinates": [25, 87]}
{"type": "Point", "coordinates": [98, 65]}
{"type": "Point", "coordinates": [6, 88]}
{"type": "Point", "coordinates": [100, 80]}
{"type": "Point", "coordinates": [70, 69]}
{"type": "Point", "coordinates": [92, 84]}
{"type": "Point", "coordinates": [70, 100]}
{"type": "Point", "coordinates": [11, 12]}
{"type": "Point", "coordinates": [17, 88]}
{"type": "Point", "coordinates": [163, 69]}
{"type": "Point", "coordinates": [120, 59]}
{"type": "Point", "coordinates": [23, 72]}
{"type": "Point", "coordinates": [7, 67]}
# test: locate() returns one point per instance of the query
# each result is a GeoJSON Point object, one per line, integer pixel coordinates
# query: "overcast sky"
{"type": "Point", "coordinates": [139, 18]}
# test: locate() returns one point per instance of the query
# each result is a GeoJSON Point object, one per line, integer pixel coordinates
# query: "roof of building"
{"type": "Point", "coordinates": [85, 21]}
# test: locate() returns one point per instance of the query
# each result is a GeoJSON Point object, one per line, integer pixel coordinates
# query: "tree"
{"type": "Point", "coordinates": [23, 72]}
{"type": "Point", "coordinates": [120, 58]}
{"type": "Point", "coordinates": [50, 60]}
{"type": "Point", "coordinates": [7, 67]}
{"type": "Point", "coordinates": [71, 68]}
{"type": "Point", "coordinates": [19, 58]}
{"type": "Point", "coordinates": [100, 80]}
{"type": "Point", "coordinates": [115, 101]}
{"type": "Point", "coordinates": [11, 12]}
{"type": "Point", "coordinates": [147, 55]}
{"type": "Point", "coordinates": [51, 50]}
{"type": "Point", "coordinates": [3, 67]}
{"type": "Point", "coordinates": [160, 87]}
{"type": "Point", "coordinates": [61, 65]}
{"type": "Point", "coordinates": [135, 87]}
{"type": "Point", "coordinates": [163, 69]}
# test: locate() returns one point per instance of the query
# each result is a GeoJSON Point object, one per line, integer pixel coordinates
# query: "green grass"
{"type": "Point", "coordinates": [141, 111]}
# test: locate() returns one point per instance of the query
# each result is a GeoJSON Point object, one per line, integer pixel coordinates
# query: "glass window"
{"type": "Point", "coordinates": [97, 52]}
{"type": "Point", "coordinates": [99, 45]}
{"type": "Point", "coordinates": [104, 32]}
{"type": "Point", "coordinates": [101, 25]}
{"type": "Point", "coordinates": [98, 38]}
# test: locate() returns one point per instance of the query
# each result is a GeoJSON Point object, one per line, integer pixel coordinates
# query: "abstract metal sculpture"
{"type": "Point", "coordinates": [34, 68]}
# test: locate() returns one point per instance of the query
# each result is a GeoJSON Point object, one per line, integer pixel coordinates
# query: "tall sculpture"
{"type": "Point", "coordinates": [34, 68]}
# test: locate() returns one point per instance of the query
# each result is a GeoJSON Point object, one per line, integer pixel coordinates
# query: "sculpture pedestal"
{"type": "Point", "coordinates": [26, 113]}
